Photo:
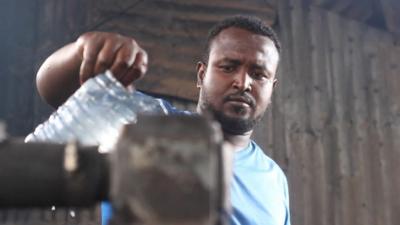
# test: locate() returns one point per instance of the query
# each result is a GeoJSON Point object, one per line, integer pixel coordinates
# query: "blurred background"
{"type": "Point", "coordinates": [334, 125]}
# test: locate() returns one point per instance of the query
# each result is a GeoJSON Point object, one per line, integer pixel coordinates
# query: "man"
{"type": "Point", "coordinates": [235, 79]}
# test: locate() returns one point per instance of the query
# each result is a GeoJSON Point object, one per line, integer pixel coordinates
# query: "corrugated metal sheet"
{"type": "Point", "coordinates": [335, 122]}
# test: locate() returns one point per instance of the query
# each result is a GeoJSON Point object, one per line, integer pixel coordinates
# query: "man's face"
{"type": "Point", "coordinates": [237, 82]}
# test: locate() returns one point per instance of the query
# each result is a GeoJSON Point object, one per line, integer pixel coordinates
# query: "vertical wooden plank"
{"type": "Point", "coordinates": [313, 118]}
{"type": "Point", "coordinates": [361, 144]}
{"type": "Point", "coordinates": [287, 84]}
{"type": "Point", "coordinates": [300, 135]}
{"type": "Point", "coordinates": [378, 153]}
{"type": "Point", "coordinates": [320, 116]}
{"type": "Point", "coordinates": [340, 87]}
{"type": "Point", "coordinates": [392, 78]}
{"type": "Point", "coordinates": [276, 115]}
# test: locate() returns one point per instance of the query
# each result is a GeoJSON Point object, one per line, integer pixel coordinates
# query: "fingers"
{"type": "Point", "coordinates": [106, 56]}
{"type": "Point", "coordinates": [124, 60]}
{"type": "Point", "coordinates": [141, 62]}
{"type": "Point", "coordinates": [122, 55]}
{"type": "Point", "coordinates": [130, 63]}
{"type": "Point", "coordinates": [91, 46]}
{"type": "Point", "coordinates": [137, 70]}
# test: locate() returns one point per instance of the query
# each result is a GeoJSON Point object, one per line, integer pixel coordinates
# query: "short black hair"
{"type": "Point", "coordinates": [249, 23]}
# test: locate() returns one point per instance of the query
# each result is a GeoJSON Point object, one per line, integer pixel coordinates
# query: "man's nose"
{"type": "Point", "coordinates": [243, 81]}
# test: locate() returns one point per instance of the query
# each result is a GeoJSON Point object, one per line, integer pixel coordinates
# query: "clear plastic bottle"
{"type": "Point", "coordinates": [94, 114]}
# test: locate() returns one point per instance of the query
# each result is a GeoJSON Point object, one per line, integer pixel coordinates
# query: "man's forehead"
{"type": "Point", "coordinates": [259, 55]}
{"type": "Point", "coordinates": [239, 40]}
{"type": "Point", "coordinates": [236, 34]}
{"type": "Point", "coordinates": [240, 60]}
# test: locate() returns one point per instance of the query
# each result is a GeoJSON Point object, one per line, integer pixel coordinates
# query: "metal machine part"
{"type": "Point", "coordinates": [37, 175]}
{"type": "Point", "coordinates": [163, 170]}
{"type": "Point", "coordinates": [176, 172]}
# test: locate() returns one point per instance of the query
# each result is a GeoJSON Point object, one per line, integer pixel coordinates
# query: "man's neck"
{"type": "Point", "coordinates": [238, 142]}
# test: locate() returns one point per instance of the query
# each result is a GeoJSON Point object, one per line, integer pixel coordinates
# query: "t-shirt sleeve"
{"type": "Point", "coordinates": [171, 110]}
{"type": "Point", "coordinates": [286, 193]}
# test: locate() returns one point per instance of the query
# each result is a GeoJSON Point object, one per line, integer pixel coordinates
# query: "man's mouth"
{"type": "Point", "coordinates": [241, 99]}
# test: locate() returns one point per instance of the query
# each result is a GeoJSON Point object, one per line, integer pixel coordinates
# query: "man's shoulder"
{"type": "Point", "coordinates": [268, 160]}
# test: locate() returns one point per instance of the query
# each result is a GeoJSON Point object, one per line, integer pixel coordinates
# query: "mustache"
{"type": "Point", "coordinates": [241, 96]}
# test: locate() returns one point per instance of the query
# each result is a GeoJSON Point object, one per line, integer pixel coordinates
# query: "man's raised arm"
{"type": "Point", "coordinates": [92, 53]}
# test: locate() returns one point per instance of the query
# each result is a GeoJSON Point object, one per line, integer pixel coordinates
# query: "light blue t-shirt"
{"type": "Point", "coordinates": [259, 191]}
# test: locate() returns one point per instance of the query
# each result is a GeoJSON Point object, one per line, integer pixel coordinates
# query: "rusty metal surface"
{"type": "Point", "coordinates": [177, 176]}
{"type": "Point", "coordinates": [31, 179]}
{"type": "Point", "coordinates": [168, 176]}
{"type": "Point", "coordinates": [45, 175]}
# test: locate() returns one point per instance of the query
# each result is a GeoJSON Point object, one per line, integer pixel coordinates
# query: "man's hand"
{"type": "Point", "coordinates": [92, 53]}
{"type": "Point", "coordinates": [101, 51]}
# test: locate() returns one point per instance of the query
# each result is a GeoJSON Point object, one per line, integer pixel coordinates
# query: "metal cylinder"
{"type": "Point", "coordinates": [42, 174]}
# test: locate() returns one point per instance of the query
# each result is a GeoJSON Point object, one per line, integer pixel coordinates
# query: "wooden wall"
{"type": "Point", "coordinates": [335, 122]}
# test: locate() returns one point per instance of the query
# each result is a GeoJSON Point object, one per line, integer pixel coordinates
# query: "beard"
{"type": "Point", "coordinates": [235, 126]}
{"type": "Point", "coordinates": [229, 124]}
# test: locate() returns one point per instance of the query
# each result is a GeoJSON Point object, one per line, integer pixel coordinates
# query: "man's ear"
{"type": "Point", "coordinates": [201, 71]}
{"type": "Point", "coordinates": [275, 82]}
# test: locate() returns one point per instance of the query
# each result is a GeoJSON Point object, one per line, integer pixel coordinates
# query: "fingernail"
{"type": "Point", "coordinates": [143, 68]}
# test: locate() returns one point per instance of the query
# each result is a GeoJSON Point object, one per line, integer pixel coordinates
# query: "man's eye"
{"type": "Point", "coordinates": [227, 68]}
{"type": "Point", "coordinates": [259, 76]}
